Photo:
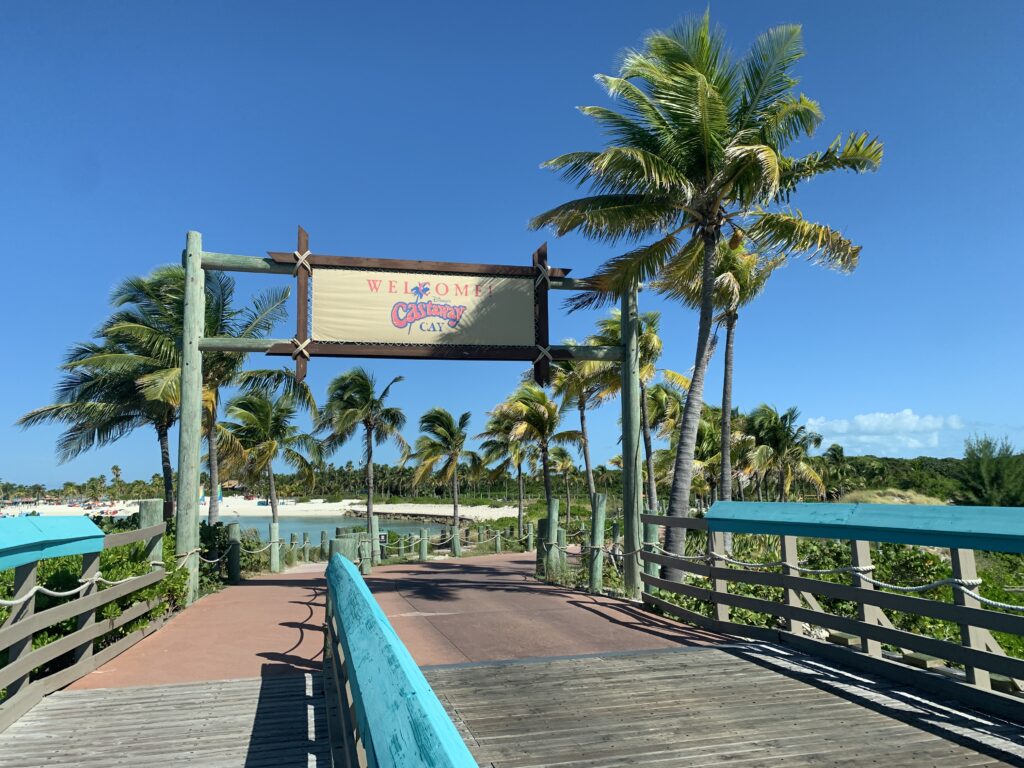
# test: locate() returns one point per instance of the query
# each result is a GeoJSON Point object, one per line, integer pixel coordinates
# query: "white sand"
{"type": "Point", "coordinates": [236, 505]}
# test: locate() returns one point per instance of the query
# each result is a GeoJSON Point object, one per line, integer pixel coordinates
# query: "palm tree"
{"type": "Point", "coordinates": [782, 447]}
{"type": "Point", "coordinates": [500, 446]}
{"type": "Point", "coordinates": [99, 403]}
{"type": "Point", "coordinates": [579, 383]}
{"type": "Point", "coordinates": [353, 401]}
{"type": "Point", "coordinates": [739, 279]}
{"type": "Point", "coordinates": [150, 323]}
{"type": "Point", "coordinates": [700, 149]}
{"type": "Point", "coordinates": [262, 432]}
{"type": "Point", "coordinates": [563, 463]}
{"type": "Point", "coordinates": [443, 442]}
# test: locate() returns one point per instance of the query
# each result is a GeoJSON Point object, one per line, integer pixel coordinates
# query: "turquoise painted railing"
{"type": "Point", "coordinates": [706, 587]}
{"type": "Point", "coordinates": [382, 711]}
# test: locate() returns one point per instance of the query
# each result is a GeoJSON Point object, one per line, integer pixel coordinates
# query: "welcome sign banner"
{"type": "Point", "coordinates": [385, 307]}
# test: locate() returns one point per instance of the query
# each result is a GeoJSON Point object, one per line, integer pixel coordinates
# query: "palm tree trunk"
{"type": "Point", "coordinates": [168, 473]}
{"type": "Point", "coordinates": [652, 485]}
{"type": "Point", "coordinates": [568, 503]}
{"type": "Point", "coordinates": [725, 480]}
{"type": "Point", "coordinates": [369, 479]}
{"type": "Point", "coordinates": [272, 492]}
{"type": "Point", "coordinates": [455, 499]}
{"type": "Point", "coordinates": [522, 493]}
{"type": "Point", "coordinates": [591, 489]}
{"type": "Point", "coordinates": [682, 481]}
{"type": "Point", "coordinates": [213, 515]}
{"type": "Point", "coordinates": [547, 472]}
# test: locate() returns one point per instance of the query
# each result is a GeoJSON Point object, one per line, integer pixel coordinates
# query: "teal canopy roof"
{"type": "Point", "coordinates": [998, 529]}
{"type": "Point", "coordinates": [26, 539]}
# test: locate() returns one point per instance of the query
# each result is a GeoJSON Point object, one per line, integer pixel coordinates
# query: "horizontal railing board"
{"type": "Point", "coordinates": [407, 724]}
{"type": "Point", "coordinates": [112, 540]}
{"type": "Point", "coordinates": [998, 529]}
{"type": "Point", "coordinates": [50, 651]}
{"type": "Point", "coordinates": [943, 649]}
{"type": "Point", "coordinates": [693, 523]}
{"type": "Point", "coordinates": [688, 590]}
{"type": "Point", "coordinates": [698, 569]}
{"type": "Point", "coordinates": [12, 633]}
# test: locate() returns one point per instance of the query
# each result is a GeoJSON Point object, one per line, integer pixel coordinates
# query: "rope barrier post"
{"type": "Point", "coordinates": [542, 539]}
{"type": "Point", "coordinates": [868, 614]}
{"type": "Point", "coordinates": [457, 542]}
{"type": "Point", "coordinates": [305, 547]}
{"type": "Point", "coordinates": [716, 546]}
{"type": "Point", "coordinates": [964, 568]}
{"type": "Point", "coordinates": [325, 550]}
{"type": "Point", "coordinates": [339, 532]}
{"type": "Point", "coordinates": [423, 545]}
{"type": "Point", "coordinates": [616, 532]}
{"type": "Point", "coordinates": [651, 544]}
{"type": "Point", "coordinates": [292, 555]}
{"type": "Point", "coordinates": [24, 583]}
{"type": "Point", "coordinates": [90, 570]}
{"type": "Point", "coordinates": [151, 512]}
{"type": "Point", "coordinates": [597, 505]}
{"type": "Point", "coordinates": [551, 559]}
{"type": "Point", "coordinates": [333, 548]}
{"type": "Point", "coordinates": [401, 545]}
{"type": "Point", "coordinates": [186, 538]}
{"type": "Point", "coordinates": [497, 541]}
{"type": "Point", "coordinates": [529, 536]}
{"type": "Point", "coordinates": [366, 548]}
{"type": "Point", "coordinates": [562, 539]}
{"type": "Point", "coordinates": [275, 547]}
{"type": "Point", "coordinates": [479, 534]}
{"type": "Point", "coordinates": [789, 555]}
{"type": "Point", "coordinates": [234, 553]}
{"type": "Point", "coordinates": [375, 540]}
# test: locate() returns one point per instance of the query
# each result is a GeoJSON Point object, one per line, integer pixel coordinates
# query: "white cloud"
{"type": "Point", "coordinates": [899, 433]}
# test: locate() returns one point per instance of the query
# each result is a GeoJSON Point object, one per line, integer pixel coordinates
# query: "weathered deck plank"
{"type": "Point", "coordinates": [272, 722]}
{"type": "Point", "coordinates": [747, 705]}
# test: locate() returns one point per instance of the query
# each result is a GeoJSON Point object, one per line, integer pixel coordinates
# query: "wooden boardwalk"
{"type": "Point", "coordinates": [749, 705]}
{"type": "Point", "coordinates": [270, 722]}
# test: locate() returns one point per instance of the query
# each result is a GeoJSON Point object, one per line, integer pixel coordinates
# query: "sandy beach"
{"type": "Point", "coordinates": [234, 505]}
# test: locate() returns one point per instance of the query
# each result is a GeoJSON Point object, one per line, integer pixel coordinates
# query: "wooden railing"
{"type": "Point", "coordinates": [969, 670]}
{"type": "Point", "coordinates": [381, 710]}
{"type": "Point", "coordinates": [24, 676]}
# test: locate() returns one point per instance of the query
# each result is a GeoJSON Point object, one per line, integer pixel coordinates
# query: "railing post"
{"type": "Point", "coordinates": [457, 542]}
{"type": "Point", "coordinates": [305, 546]}
{"type": "Point", "coordinates": [479, 534]}
{"type": "Point", "coordinates": [374, 540]}
{"type": "Point", "coordinates": [861, 552]}
{"type": "Point", "coordinates": [293, 550]}
{"type": "Point", "coordinates": [151, 512]}
{"type": "Point", "coordinates": [366, 548]}
{"type": "Point", "coordinates": [234, 553]}
{"type": "Point", "coordinates": [552, 564]}
{"type": "Point", "coordinates": [529, 536]}
{"type": "Point", "coordinates": [401, 545]}
{"type": "Point", "coordinates": [789, 555]}
{"type": "Point", "coordinates": [333, 548]}
{"type": "Point", "coordinates": [90, 568]}
{"type": "Point", "coordinates": [24, 582]}
{"type": "Point", "coordinates": [497, 541]}
{"type": "Point", "coordinates": [542, 545]}
{"type": "Point", "coordinates": [598, 506]}
{"type": "Point", "coordinates": [716, 546]}
{"type": "Point", "coordinates": [325, 550]}
{"type": "Point", "coordinates": [651, 542]}
{"type": "Point", "coordinates": [964, 568]}
{"type": "Point", "coordinates": [424, 544]}
{"type": "Point", "coordinates": [275, 548]}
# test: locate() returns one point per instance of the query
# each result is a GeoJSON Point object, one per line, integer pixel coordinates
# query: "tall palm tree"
{"type": "Point", "coordinates": [353, 402]}
{"type": "Point", "coordinates": [563, 463]}
{"type": "Point", "coordinates": [499, 447]}
{"type": "Point", "coordinates": [150, 322]}
{"type": "Point", "coordinates": [99, 403]}
{"type": "Point", "coordinates": [579, 383]}
{"type": "Point", "coordinates": [782, 447]}
{"type": "Point", "coordinates": [740, 277]}
{"type": "Point", "coordinates": [700, 150]}
{"type": "Point", "coordinates": [261, 432]}
{"type": "Point", "coordinates": [443, 443]}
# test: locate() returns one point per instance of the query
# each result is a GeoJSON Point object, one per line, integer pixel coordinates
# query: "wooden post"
{"type": "Point", "coordinates": [529, 536]}
{"type": "Point", "coordinates": [789, 555]}
{"type": "Point", "coordinates": [366, 548]}
{"type": "Point", "coordinates": [90, 567]}
{"type": "Point", "coordinates": [24, 582]}
{"type": "Point", "coordinates": [616, 532]}
{"type": "Point", "coordinates": [334, 548]}
{"type": "Point", "coordinates": [551, 559]}
{"type": "Point", "coordinates": [632, 471]}
{"type": "Point", "coordinates": [716, 545]}
{"type": "Point", "coordinates": [562, 541]}
{"type": "Point", "coordinates": [375, 540]}
{"type": "Point", "coordinates": [423, 545]}
{"type": "Point", "coordinates": [542, 546]}
{"type": "Point", "coordinates": [275, 547]}
{"type": "Point", "coordinates": [339, 531]}
{"type": "Point", "coordinates": [305, 546]}
{"type": "Point", "coordinates": [190, 417]}
{"type": "Point", "coordinates": [457, 542]}
{"type": "Point", "coordinates": [234, 553]}
{"type": "Point", "coordinates": [325, 550]}
{"type": "Point", "coordinates": [401, 545]}
{"type": "Point", "coordinates": [151, 512]}
{"type": "Point", "coordinates": [293, 550]}
{"type": "Point", "coordinates": [479, 534]}
{"type": "Point", "coordinates": [597, 506]}
{"type": "Point", "coordinates": [861, 553]}
{"type": "Point", "coordinates": [651, 542]}
{"type": "Point", "coordinates": [964, 568]}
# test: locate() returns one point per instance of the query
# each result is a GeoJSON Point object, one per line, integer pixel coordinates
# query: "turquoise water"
{"type": "Point", "coordinates": [313, 524]}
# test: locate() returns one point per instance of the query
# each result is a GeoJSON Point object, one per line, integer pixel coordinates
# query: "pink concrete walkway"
{"type": "Point", "coordinates": [485, 608]}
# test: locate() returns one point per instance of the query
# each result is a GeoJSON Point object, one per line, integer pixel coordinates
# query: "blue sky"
{"type": "Point", "coordinates": [414, 130]}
